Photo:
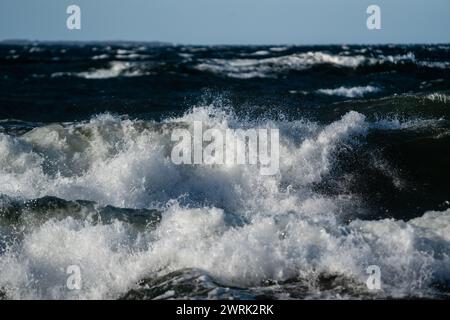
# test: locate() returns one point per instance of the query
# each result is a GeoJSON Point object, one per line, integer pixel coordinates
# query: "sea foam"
{"type": "Point", "coordinates": [236, 226]}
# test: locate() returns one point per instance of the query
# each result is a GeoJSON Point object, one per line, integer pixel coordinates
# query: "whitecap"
{"type": "Point", "coordinates": [350, 92]}
{"type": "Point", "coordinates": [265, 227]}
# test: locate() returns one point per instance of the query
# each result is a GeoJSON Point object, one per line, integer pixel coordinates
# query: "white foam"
{"type": "Point", "coordinates": [396, 123]}
{"type": "Point", "coordinates": [278, 49]}
{"type": "Point", "coordinates": [260, 53]}
{"type": "Point", "coordinates": [100, 57]}
{"type": "Point", "coordinates": [352, 92]}
{"type": "Point", "coordinates": [438, 97]}
{"type": "Point", "coordinates": [252, 68]}
{"type": "Point", "coordinates": [236, 225]}
{"type": "Point", "coordinates": [268, 67]}
{"type": "Point", "coordinates": [114, 257]}
{"type": "Point", "coordinates": [36, 49]}
{"type": "Point", "coordinates": [435, 64]}
{"type": "Point", "coordinates": [408, 57]}
{"type": "Point", "coordinates": [115, 69]}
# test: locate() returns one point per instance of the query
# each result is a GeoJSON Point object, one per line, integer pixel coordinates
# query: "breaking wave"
{"type": "Point", "coordinates": [104, 195]}
{"type": "Point", "coordinates": [353, 92]}
{"type": "Point", "coordinates": [252, 68]}
{"type": "Point", "coordinates": [268, 67]}
{"type": "Point", "coordinates": [114, 70]}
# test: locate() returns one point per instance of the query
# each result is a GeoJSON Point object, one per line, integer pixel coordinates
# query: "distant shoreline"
{"type": "Point", "coordinates": [166, 44]}
{"type": "Point", "coordinates": [71, 42]}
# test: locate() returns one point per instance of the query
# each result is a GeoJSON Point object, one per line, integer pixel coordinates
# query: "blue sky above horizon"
{"type": "Point", "coordinates": [229, 21]}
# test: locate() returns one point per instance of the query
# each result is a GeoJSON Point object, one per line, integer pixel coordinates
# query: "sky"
{"type": "Point", "coordinates": [229, 21]}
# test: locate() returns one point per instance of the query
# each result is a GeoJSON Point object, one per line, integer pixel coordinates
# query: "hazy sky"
{"type": "Point", "coordinates": [229, 21]}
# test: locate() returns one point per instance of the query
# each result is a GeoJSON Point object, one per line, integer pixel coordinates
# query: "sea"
{"type": "Point", "coordinates": [92, 207]}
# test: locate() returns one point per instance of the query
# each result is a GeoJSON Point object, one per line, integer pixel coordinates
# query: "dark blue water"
{"type": "Point", "coordinates": [72, 82]}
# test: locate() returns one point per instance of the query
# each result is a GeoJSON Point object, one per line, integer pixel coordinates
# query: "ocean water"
{"type": "Point", "coordinates": [86, 177]}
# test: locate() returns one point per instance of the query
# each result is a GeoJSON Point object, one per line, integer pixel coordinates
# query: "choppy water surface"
{"type": "Point", "coordinates": [86, 177]}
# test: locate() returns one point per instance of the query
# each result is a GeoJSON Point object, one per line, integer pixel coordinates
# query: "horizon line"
{"type": "Point", "coordinates": [168, 43]}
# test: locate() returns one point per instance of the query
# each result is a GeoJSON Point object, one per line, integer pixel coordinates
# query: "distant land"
{"type": "Point", "coordinates": [166, 44]}
{"type": "Point", "coordinates": [65, 42]}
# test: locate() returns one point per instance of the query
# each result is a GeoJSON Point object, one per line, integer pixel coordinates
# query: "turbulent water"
{"type": "Point", "coordinates": [86, 177]}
